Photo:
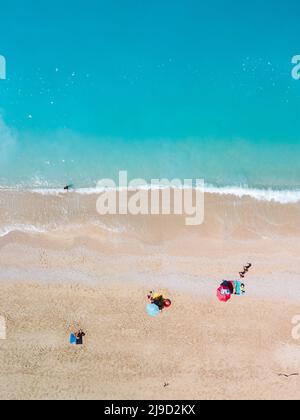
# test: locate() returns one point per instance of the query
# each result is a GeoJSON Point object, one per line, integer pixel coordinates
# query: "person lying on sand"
{"type": "Point", "coordinates": [246, 269]}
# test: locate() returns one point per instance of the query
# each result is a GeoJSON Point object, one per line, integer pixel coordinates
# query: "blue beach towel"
{"type": "Point", "coordinates": [72, 339]}
{"type": "Point", "coordinates": [238, 290]}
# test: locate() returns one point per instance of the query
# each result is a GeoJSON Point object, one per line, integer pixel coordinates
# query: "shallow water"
{"type": "Point", "coordinates": [201, 96]}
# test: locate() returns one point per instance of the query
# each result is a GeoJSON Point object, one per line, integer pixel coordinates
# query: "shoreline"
{"type": "Point", "coordinates": [226, 217]}
{"type": "Point", "coordinates": [280, 195]}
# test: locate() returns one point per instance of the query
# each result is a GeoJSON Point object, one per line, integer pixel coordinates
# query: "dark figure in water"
{"type": "Point", "coordinates": [68, 187]}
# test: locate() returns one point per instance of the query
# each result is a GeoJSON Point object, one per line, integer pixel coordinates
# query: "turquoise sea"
{"type": "Point", "coordinates": [185, 89]}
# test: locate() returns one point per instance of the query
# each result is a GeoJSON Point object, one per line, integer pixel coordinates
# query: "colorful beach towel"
{"type": "Point", "coordinates": [72, 339]}
{"type": "Point", "coordinates": [238, 290]}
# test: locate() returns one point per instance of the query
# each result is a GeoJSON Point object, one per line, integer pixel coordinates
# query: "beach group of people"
{"type": "Point", "coordinates": [233, 287]}
{"type": "Point", "coordinates": [158, 302]}
{"type": "Point", "coordinates": [76, 337]}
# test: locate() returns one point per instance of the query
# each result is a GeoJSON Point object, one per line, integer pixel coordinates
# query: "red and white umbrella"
{"type": "Point", "coordinates": [223, 294]}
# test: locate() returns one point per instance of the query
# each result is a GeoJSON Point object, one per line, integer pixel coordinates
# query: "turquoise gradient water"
{"type": "Point", "coordinates": [165, 88]}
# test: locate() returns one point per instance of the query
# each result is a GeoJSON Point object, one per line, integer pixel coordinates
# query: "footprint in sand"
{"type": "Point", "coordinates": [44, 260]}
{"type": "Point", "coordinates": [288, 376]}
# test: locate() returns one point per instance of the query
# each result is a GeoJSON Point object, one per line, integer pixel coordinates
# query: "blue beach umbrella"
{"type": "Point", "coordinates": [153, 310]}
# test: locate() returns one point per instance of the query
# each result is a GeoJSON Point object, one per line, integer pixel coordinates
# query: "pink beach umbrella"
{"type": "Point", "coordinates": [223, 294]}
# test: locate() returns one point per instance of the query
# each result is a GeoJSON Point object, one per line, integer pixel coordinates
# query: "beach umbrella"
{"type": "Point", "coordinates": [223, 294]}
{"type": "Point", "coordinates": [153, 310]}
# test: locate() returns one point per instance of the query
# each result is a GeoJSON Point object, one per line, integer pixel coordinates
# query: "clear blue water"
{"type": "Point", "coordinates": [162, 89]}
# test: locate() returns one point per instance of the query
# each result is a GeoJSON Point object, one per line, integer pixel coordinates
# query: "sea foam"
{"type": "Point", "coordinates": [268, 195]}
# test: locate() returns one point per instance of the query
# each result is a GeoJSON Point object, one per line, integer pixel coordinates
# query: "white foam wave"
{"type": "Point", "coordinates": [112, 229]}
{"type": "Point", "coordinates": [20, 228]}
{"type": "Point", "coordinates": [267, 195]}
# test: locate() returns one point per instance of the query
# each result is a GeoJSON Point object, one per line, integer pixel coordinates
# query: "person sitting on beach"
{"type": "Point", "coordinates": [234, 287]}
{"type": "Point", "coordinates": [158, 299]}
{"type": "Point", "coordinates": [238, 288]}
{"type": "Point", "coordinates": [79, 337]}
{"type": "Point", "coordinates": [228, 285]}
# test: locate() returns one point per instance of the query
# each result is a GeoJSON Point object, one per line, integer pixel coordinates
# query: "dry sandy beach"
{"type": "Point", "coordinates": [116, 119]}
{"type": "Point", "coordinates": [98, 276]}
